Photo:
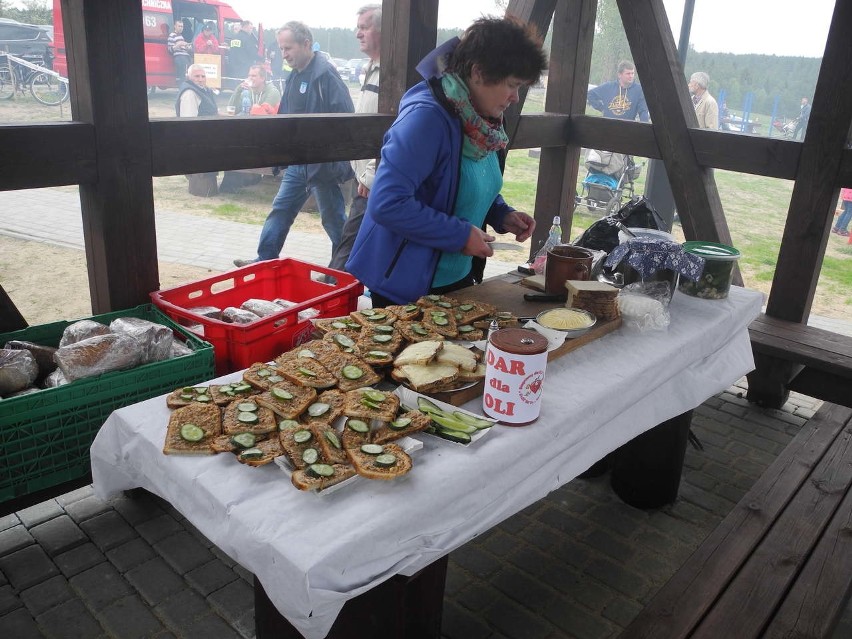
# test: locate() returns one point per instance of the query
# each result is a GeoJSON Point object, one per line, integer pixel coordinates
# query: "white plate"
{"type": "Point", "coordinates": [408, 398]}
{"type": "Point", "coordinates": [408, 444]}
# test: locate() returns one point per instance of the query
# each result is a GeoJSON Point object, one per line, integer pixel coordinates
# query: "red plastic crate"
{"type": "Point", "coordinates": [237, 346]}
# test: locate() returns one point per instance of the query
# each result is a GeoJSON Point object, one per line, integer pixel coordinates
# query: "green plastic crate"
{"type": "Point", "coordinates": [45, 436]}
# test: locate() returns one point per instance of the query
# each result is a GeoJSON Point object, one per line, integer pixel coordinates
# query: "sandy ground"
{"type": "Point", "coordinates": [49, 283]}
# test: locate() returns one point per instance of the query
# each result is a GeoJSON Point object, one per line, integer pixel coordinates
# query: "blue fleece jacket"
{"type": "Point", "coordinates": [409, 220]}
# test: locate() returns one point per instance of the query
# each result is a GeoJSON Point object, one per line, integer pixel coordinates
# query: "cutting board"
{"type": "Point", "coordinates": [508, 295]}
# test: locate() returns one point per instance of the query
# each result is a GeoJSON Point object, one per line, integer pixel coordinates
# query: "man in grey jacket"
{"type": "Point", "coordinates": [313, 86]}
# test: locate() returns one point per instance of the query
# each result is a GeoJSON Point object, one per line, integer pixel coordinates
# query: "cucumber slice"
{"type": "Point", "coordinates": [378, 354]}
{"type": "Point", "coordinates": [307, 353]}
{"type": "Point", "coordinates": [385, 460]}
{"type": "Point", "coordinates": [333, 439]}
{"type": "Point", "coordinates": [321, 470]}
{"type": "Point", "coordinates": [372, 449]}
{"type": "Point", "coordinates": [466, 328]}
{"type": "Point", "coordinates": [471, 420]}
{"type": "Point", "coordinates": [306, 372]}
{"type": "Point", "coordinates": [351, 371]}
{"type": "Point", "coordinates": [437, 313]}
{"type": "Point", "coordinates": [263, 372]}
{"type": "Point", "coordinates": [399, 424]}
{"type": "Point", "coordinates": [242, 387]}
{"type": "Point", "coordinates": [244, 440]}
{"type": "Point", "coordinates": [367, 312]}
{"type": "Point", "coordinates": [191, 433]}
{"type": "Point", "coordinates": [310, 455]}
{"type": "Point", "coordinates": [280, 393]}
{"type": "Point", "coordinates": [302, 436]}
{"type": "Point", "coordinates": [338, 325]}
{"type": "Point", "coordinates": [433, 297]}
{"type": "Point", "coordinates": [187, 396]}
{"type": "Point", "coordinates": [226, 388]}
{"type": "Point", "coordinates": [410, 308]}
{"type": "Point", "coordinates": [378, 316]}
{"type": "Point", "coordinates": [344, 340]}
{"type": "Point", "coordinates": [358, 426]}
{"type": "Point", "coordinates": [440, 320]}
{"type": "Point", "coordinates": [274, 379]}
{"type": "Point", "coordinates": [204, 399]}
{"type": "Point", "coordinates": [318, 408]}
{"type": "Point", "coordinates": [453, 435]}
{"type": "Point", "coordinates": [375, 395]}
{"type": "Point", "coordinates": [453, 424]}
{"type": "Point", "coordinates": [247, 407]}
{"type": "Point", "coordinates": [370, 404]}
{"type": "Point", "coordinates": [417, 328]}
{"type": "Point", "coordinates": [353, 325]}
{"type": "Point", "coordinates": [382, 338]}
{"type": "Point", "coordinates": [382, 328]}
{"type": "Point", "coordinates": [251, 453]}
{"type": "Point", "coordinates": [465, 307]}
{"type": "Point", "coordinates": [504, 315]}
{"type": "Point", "coordinates": [426, 406]}
{"type": "Point", "coordinates": [444, 304]}
{"type": "Point", "coordinates": [288, 424]}
{"type": "Point", "coordinates": [247, 418]}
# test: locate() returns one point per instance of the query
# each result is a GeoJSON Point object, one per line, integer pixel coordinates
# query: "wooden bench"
{"type": "Point", "coordinates": [780, 563]}
{"type": "Point", "coordinates": [793, 356]}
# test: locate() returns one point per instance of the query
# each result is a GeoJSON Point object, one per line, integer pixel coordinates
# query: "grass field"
{"type": "Point", "coordinates": [755, 207]}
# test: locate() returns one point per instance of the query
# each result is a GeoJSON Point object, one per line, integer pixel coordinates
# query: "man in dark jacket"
{"type": "Point", "coordinates": [242, 52]}
{"type": "Point", "coordinates": [313, 86]}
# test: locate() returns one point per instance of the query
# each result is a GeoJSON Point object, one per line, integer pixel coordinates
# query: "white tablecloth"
{"type": "Point", "coordinates": [313, 552]}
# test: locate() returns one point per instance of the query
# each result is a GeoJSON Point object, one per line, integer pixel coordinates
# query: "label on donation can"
{"type": "Point", "coordinates": [515, 362]}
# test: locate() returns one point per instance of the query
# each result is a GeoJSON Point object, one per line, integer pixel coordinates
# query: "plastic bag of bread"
{"type": "Point", "coordinates": [98, 355]}
{"type": "Point", "coordinates": [261, 308]}
{"type": "Point", "coordinates": [81, 330]}
{"type": "Point", "coordinates": [213, 312]}
{"type": "Point", "coordinates": [43, 356]}
{"type": "Point", "coordinates": [56, 378]}
{"type": "Point", "coordinates": [18, 369]}
{"type": "Point", "coordinates": [179, 349]}
{"type": "Point", "coordinates": [154, 339]}
{"type": "Point", "coordinates": [238, 315]}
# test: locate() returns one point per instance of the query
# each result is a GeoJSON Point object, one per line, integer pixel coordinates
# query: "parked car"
{"type": "Point", "coordinates": [354, 69]}
{"type": "Point", "coordinates": [340, 65]}
{"type": "Point", "coordinates": [22, 39]}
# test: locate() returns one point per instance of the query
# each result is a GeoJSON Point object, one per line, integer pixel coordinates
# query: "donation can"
{"type": "Point", "coordinates": [515, 363]}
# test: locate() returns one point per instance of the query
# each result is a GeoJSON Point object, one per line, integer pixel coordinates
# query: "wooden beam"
{"type": "Point", "coordinates": [815, 193]}
{"type": "Point", "coordinates": [107, 75]}
{"type": "Point", "coordinates": [30, 158]}
{"type": "Point", "coordinates": [214, 144]}
{"type": "Point", "coordinates": [10, 317]}
{"type": "Point", "coordinates": [570, 64]}
{"type": "Point", "coordinates": [537, 13]}
{"type": "Point", "coordinates": [409, 32]}
{"type": "Point", "coordinates": [655, 54]}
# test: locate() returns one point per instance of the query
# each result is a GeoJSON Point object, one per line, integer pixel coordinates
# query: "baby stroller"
{"type": "Point", "coordinates": [609, 180]}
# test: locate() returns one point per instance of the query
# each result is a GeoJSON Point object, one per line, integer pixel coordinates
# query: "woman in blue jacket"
{"type": "Point", "coordinates": [439, 179]}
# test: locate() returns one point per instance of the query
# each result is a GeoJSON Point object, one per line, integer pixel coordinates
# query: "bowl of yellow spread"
{"type": "Point", "coordinates": [571, 321]}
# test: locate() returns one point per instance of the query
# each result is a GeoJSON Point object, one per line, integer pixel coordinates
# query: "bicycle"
{"type": "Point", "coordinates": [17, 75]}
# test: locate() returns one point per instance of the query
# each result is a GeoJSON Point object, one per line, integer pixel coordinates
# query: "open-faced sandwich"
{"type": "Point", "coordinates": [287, 399]}
{"type": "Point", "coordinates": [186, 395]}
{"type": "Point", "coordinates": [226, 393]}
{"type": "Point", "coordinates": [408, 423]}
{"type": "Point", "coordinates": [320, 476]}
{"type": "Point", "coordinates": [379, 461]}
{"type": "Point", "coordinates": [192, 428]}
{"type": "Point", "coordinates": [373, 316]}
{"type": "Point", "coordinates": [261, 376]}
{"type": "Point", "coordinates": [369, 403]}
{"type": "Point", "coordinates": [306, 371]}
{"type": "Point", "coordinates": [247, 415]}
{"type": "Point", "coordinates": [417, 332]}
{"type": "Point", "coordinates": [327, 407]}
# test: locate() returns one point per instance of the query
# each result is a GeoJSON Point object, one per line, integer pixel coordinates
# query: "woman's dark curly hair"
{"type": "Point", "coordinates": [502, 47]}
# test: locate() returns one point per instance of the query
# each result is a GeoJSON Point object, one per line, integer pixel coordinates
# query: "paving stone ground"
{"type": "Point", "coordinates": [578, 564]}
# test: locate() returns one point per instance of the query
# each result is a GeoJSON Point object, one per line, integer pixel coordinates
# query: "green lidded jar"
{"type": "Point", "coordinates": [715, 280]}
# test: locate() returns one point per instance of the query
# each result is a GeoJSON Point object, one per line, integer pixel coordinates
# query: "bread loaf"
{"type": "Point", "coordinates": [81, 330]}
{"type": "Point", "coordinates": [18, 369]}
{"type": "Point", "coordinates": [98, 355]}
{"type": "Point", "coordinates": [155, 340]}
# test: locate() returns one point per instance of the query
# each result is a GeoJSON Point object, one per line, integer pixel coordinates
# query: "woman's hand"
{"type": "Point", "coordinates": [477, 243]}
{"type": "Point", "coordinates": [521, 224]}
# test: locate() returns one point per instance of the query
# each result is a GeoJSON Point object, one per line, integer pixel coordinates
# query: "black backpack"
{"type": "Point", "coordinates": [637, 213]}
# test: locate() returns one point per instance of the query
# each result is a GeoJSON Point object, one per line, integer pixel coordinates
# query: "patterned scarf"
{"type": "Point", "coordinates": [481, 135]}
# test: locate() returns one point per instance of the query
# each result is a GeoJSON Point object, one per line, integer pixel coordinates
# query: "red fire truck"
{"type": "Point", "coordinates": [158, 17]}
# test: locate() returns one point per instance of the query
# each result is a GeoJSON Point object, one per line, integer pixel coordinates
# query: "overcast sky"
{"type": "Point", "coordinates": [779, 27]}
